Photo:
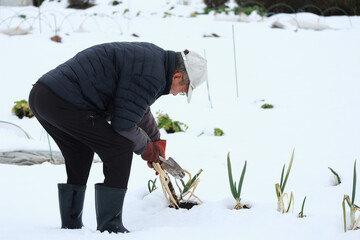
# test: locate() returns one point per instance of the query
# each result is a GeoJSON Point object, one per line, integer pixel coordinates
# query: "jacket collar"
{"type": "Point", "coordinates": [169, 68]}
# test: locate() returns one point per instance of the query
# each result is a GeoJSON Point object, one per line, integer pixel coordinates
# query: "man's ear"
{"type": "Point", "coordinates": [177, 76]}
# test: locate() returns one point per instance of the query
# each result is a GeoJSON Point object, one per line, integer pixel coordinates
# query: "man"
{"type": "Point", "coordinates": [98, 101]}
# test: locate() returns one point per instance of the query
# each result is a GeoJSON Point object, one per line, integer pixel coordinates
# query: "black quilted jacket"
{"type": "Point", "coordinates": [119, 80]}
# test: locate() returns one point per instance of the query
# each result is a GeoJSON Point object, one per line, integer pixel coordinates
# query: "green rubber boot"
{"type": "Point", "coordinates": [71, 202]}
{"type": "Point", "coordinates": [108, 205]}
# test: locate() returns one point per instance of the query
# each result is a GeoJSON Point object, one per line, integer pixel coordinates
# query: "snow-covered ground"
{"type": "Point", "coordinates": [311, 77]}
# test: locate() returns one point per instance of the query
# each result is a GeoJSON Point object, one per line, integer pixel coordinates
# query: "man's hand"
{"type": "Point", "coordinates": [152, 152]}
{"type": "Point", "coordinates": [151, 166]}
{"type": "Point", "coordinates": [162, 145]}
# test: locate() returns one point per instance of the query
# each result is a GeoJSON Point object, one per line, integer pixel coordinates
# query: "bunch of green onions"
{"type": "Point", "coordinates": [236, 190]}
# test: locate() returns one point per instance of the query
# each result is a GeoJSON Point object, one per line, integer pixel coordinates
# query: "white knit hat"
{"type": "Point", "coordinates": [196, 68]}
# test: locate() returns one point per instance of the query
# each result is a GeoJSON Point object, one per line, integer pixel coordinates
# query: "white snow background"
{"type": "Point", "coordinates": [311, 77]}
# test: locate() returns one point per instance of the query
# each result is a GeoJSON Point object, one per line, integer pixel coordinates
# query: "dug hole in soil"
{"type": "Point", "coordinates": [186, 205]}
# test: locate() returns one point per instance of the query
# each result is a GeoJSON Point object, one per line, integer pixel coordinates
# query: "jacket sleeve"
{"type": "Point", "coordinates": [137, 137]}
{"type": "Point", "coordinates": [149, 125]}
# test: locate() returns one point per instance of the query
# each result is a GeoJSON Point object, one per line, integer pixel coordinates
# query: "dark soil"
{"type": "Point", "coordinates": [246, 206]}
{"type": "Point", "coordinates": [186, 205]}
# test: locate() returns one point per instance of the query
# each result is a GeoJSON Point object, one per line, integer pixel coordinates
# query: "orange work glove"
{"type": "Point", "coordinates": [162, 145]}
{"type": "Point", "coordinates": [152, 152]}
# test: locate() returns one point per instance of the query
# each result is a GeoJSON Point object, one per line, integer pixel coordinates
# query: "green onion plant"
{"type": "Point", "coordinates": [236, 190]}
{"type": "Point", "coordinates": [189, 186]}
{"type": "Point", "coordinates": [280, 188]}
{"type": "Point", "coordinates": [301, 213]}
{"type": "Point", "coordinates": [336, 175]}
{"type": "Point", "coordinates": [353, 208]}
{"type": "Point", "coordinates": [152, 185]}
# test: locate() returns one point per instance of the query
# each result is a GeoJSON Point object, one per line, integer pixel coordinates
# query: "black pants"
{"type": "Point", "coordinates": [80, 133]}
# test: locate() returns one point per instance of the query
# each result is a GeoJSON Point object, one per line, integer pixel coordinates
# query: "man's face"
{"type": "Point", "coordinates": [177, 87]}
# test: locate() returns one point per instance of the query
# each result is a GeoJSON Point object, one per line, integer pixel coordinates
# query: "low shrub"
{"type": "Point", "coordinates": [22, 109]}
{"type": "Point", "coordinates": [170, 126]}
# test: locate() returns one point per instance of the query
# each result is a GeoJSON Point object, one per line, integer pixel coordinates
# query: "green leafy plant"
{"type": "Point", "coordinates": [236, 190]}
{"type": "Point", "coordinates": [280, 188]}
{"type": "Point", "coordinates": [267, 106]}
{"type": "Point", "coordinates": [218, 132]}
{"type": "Point", "coordinates": [22, 109]}
{"type": "Point", "coordinates": [152, 185]}
{"type": "Point", "coordinates": [353, 208]}
{"type": "Point", "coordinates": [336, 175]}
{"type": "Point", "coordinates": [170, 126]}
{"type": "Point", "coordinates": [301, 213]}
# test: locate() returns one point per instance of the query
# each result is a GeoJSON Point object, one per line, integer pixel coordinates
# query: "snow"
{"type": "Point", "coordinates": [311, 77]}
